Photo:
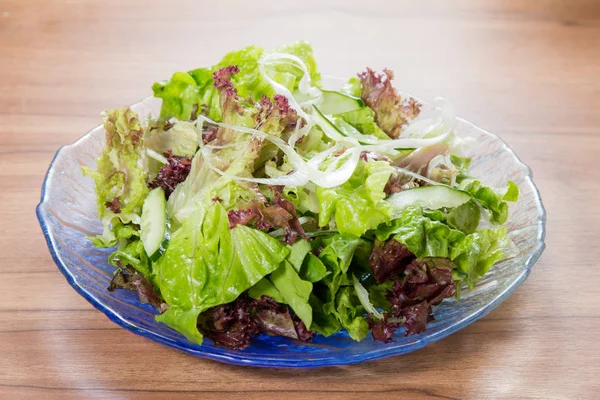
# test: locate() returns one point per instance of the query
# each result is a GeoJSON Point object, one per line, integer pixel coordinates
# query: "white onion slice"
{"type": "Point", "coordinates": [417, 176]}
{"type": "Point", "coordinates": [158, 157]}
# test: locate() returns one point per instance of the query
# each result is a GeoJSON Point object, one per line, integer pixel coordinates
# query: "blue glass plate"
{"type": "Point", "coordinates": [67, 214]}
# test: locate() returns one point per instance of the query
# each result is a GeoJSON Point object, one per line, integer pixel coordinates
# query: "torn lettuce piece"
{"type": "Point", "coordinates": [392, 112]}
{"type": "Point", "coordinates": [295, 291]}
{"type": "Point", "coordinates": [120, 178]}
{"type": "Point", "coordinates": [187, 91]}
{"type": "Point", "coordinates": [132, 255]}
{"type": "Point", "coordinates": [353, 87]}
{"type": "Point", "coordinates": [363, 119]}
{"type": "Point", "coordinates": [477, 252]}
{"type": "Point", "coordinates": [181, 139]}
{"type": "Point", "coordinates": [422, 236]}
{"type": "Point", "coordinates": [358, 204]}
{"type": "Point", "coordinates": [264, 287]}
{"type": "Point", "coordinates": [493, 200]}
{"type": "Point", "coordinates": [313, 269]}
{"type": "Point", "coordinates": [207, 264]}
{"type": "Point", "coordinates": [349, 312]}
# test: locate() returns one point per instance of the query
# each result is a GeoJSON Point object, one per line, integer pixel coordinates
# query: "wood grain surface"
{"type": "Point", "coordinates": [526, 70]}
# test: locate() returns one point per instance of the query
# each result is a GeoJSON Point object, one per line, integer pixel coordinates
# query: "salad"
{"type": "Point", "coordinates": [262, 202]}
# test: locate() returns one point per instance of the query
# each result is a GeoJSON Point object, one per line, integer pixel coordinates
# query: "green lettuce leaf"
{"type": "Point", "coordinates": [298, 252]}
{"type": "Point", "coordinates": [465, 217]}
{"type": "Point", "coordinates": [363, 297]}
{"type": "Point", "coordinates": [304, 51]}
{"type": "Point", "coordinates": [294, 291]}
{"type": "Point", "coordinates": [120, 178]}
{"type": "Point", "coordinates": [323, 322]}
{"type": "Point", "coordinates": [363, 119]}
{"type": "Point", "coordinates": [477, 252]}
{"type": "Point", "coordinates": [303, 199]}
{"type": "Point", "coordinates": [132, 254]}
{"type": "Point", "coordinates": [336, 297]}
{"type": "Point", "coordinates": [349, 312]}
{"type": "Point", "coordinates": [265, 287]}
{"type": "Point", "coordinates": [207, 264]}
{"type": "Point", "coordinates": [187, 90]}
{"type": "Point", "coordinates": [353, 87]}
{"type": "Point", "coordinates": [180, 94]}
{"type": "Point", "coordinates": [181, 139]}
{"type": "Point", "coordinates": [286, 286]}
{"type": "Point", "coordinates": [358, 204]}
{"type": "Point", "coordinates": [422, 236]}
{"type": "Point", "coordinates": [378, 295]}
{"type": "Point", "coordinates": [313, 269]}
{"type": "Point", "coordinates": [493, 200]}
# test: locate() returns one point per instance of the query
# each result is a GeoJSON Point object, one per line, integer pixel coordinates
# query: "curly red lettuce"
{"type": "Point", "coordinates": [418, 285]}
{"type": "Point", "coordinates": [388, 259]}
{"type": "Point", "coordinates": [280, 214]}
{"type": "Point", "coordinates": [175, 171]}
{"type": "Point", "coordinates": [236, 324]}
{"type": "Point", "coordinates": [128, 279]}
{"type": "Point", "coordinates": [391, 111]}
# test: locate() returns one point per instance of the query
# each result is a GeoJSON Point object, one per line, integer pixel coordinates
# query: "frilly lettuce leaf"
{"type": "Point", "coordinates": [357, 205]}
{"type": "Point", "coordinates": [353, 87]}
{"type": "Point", "coordinates": [120, 174]}
{"type": "Point", "coordinates": [186, 90]}
{"type": "Point", "coordinates": [422, 236]}
{"type": "Point", "coordinates": [477, 252]}
{"type": "Point", "coordinates": [304, 51]}
{"type": "Point", "coordinates": [207, 264]}
{"type": "Point", "coordinates": [473, 254]}
{"type": "Point", "coordinates": [349, 311]}
{"type": "Point", "coordinates": [132, 254]}
{"type": "Point", "coordinates": [181, 139]}
{"type": "Point", "coordinates": [120, 178]}
{"type": "Point", "coordinates": [493, 200]}
{"type": "Point", "coordinates": [391, 111]}
{"type": "Point", "coordinates": [363, 119]}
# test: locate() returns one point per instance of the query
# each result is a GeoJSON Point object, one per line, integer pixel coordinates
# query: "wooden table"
{"type": "Point", "coordinates": [530, 73]}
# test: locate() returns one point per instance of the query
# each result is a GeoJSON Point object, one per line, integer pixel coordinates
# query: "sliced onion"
{"type": "Point", "coordinates": [158, 157]}
{"type": "Point", "coordinates": [303, 85]}
{"type": "Point", "coordinates": [417, 176]}
{"type": "Point", "coordinates": [297, 178]}
{"type": "Point", "coordinates": [340, 175]}
{"type": "Point", "coordinates": [320, 157]}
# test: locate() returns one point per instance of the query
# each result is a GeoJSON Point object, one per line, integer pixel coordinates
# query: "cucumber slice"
{"type": "Point", "coordinates": [432, 197]}
{"type": "Point", "coordinates": [154, 225]}
{"type": "Point", "coordinates": [337, 102]}
{"type": "Point", "coordinates": [327, 125]}
{"type": "Point", "coordinates": [338, 129]}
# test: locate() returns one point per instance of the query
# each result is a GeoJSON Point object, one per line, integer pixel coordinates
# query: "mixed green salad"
{"type": "Point", "coordinates": [262, 202]}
